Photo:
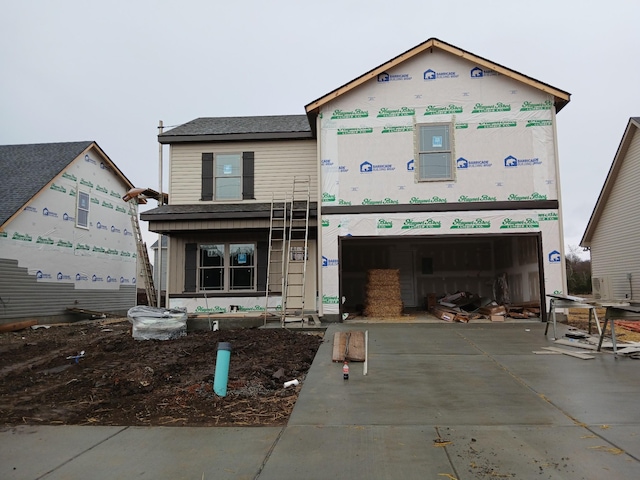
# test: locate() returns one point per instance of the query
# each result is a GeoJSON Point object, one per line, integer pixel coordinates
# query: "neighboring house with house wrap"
{"type": "Point", "coordinates": [613, 232]}
{"type": "Point", "coordinates": [65, 233]}
{"type": "Point", "coordinates": [438, 163]}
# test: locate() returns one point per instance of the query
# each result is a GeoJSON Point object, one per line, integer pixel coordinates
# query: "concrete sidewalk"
{"type": "Point", "coordinates": [440, 401]}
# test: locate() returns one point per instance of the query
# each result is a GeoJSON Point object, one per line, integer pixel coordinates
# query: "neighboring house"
{"type": "Point", "coordinates": [65, 233]}
{"type": "Point", "coordinates": [613, 232]}
{"type": "Point", "coordinates": [438, 163]}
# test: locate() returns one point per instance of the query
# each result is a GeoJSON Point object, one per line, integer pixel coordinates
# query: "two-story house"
{"type": "Point", "coordinates": [438, 163]}
{"type": "Point", "coordinates": [66, 237]}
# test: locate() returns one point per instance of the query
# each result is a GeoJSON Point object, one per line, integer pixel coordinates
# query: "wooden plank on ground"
{"type": "Point", "coordinates": [546, 352]}
{"type": "Point", "coordinates": [15, 326]}
{"type": "Point", "coordinates": [569, 343]}
{"type": "Point", "coordinates": [348, 346]}
{"type": "Point", "coordinates": [582, 356]}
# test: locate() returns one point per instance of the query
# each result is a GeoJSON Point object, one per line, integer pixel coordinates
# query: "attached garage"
{"type": "Point", "coordinates": [488, 265]}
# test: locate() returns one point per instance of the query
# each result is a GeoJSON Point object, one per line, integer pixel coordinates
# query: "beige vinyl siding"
{"type": "Point", "coordinates": [276, 163]}
{"type": "Point", "coordinates": [177, 261]}
{"type": "Point", "coordinates": [615, 246]}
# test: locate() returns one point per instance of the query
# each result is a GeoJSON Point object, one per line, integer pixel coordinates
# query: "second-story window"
{"type": "Point", "coordinates": [434, 152]}
{"type": "Point", "coordinates": [227, 176]}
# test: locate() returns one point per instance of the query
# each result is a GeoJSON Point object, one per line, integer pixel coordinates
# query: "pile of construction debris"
{"type": "Point", "coordinates": [465, 306]}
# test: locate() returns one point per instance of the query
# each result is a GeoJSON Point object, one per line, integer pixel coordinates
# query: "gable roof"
{"type": "Point", "coordinates": [28, 169]}
{"type": "Point", "coordinates": [561, 98]}
{"type": "Point", "coordinates": [616, 165]}
{"type": "Point", "coordinates": [224, 129]}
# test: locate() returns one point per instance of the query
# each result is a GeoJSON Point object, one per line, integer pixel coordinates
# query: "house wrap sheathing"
{"type": "Point", "coordinates": [503, 181]}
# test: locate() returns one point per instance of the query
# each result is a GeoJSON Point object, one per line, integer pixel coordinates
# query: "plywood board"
{"type": "Point", "coordinates": [348, 346]}
{"type": "Point", "coordinates": [582, 356]}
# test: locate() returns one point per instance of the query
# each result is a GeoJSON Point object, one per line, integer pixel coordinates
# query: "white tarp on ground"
{"type": "Point", "coordinates": [44, 238]}
{"type": "Point", "coordinates": [503, 146]}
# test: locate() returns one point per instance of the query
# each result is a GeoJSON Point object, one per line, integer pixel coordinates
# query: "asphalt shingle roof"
{"type": "Point", "coordinates": [242, 125]}
{"type": "Point", "coordinates": [27, 168]}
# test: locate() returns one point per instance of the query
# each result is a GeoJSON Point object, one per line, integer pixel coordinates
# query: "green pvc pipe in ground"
{"type": "Point", "coordinates": [222, 369]}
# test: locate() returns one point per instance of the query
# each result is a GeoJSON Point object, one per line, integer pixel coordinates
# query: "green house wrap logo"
{"type": "Point", "coordinates": [397, 129]}
{"type": "Point", "coordinates": [461, 126]}
{"type": "Point", "coordinates": [64, 244]}
{"type": "Point", "coordinates": [325, 223]}
{"type": "Point", "coordinates": [330, 300]}
{"type": "Point", "coordinates": [69, 176]}
{"type": "Point", "coordinates": [514, 197]}
{"type": "Point", "coordinates": [385, 201]}
{"type": "Point", "coordinates": [480, 198]}
{"type": "Point", "coordinates": [114, 194]}
{"type": "Point", "coordinates": [538, 123]}
{"type": "Point", "coordinates": [112, 251]}
{"type": "Point", "coordinates": [98, 250]}
{"type": "Point", "coordinates": [83, 246]}
{"type": "Point", "coordinates": [45, 240]}
{"type": "Point", "coordinates": [344, 202]}
{"type": "Point", "coordinates": [548, 217]}
{"type": "Point", "coordinates": [327, 197]}
{"type": "Point", "coordinates": [410, 224]}
{"type": "Point", "coordinates": [342, 114]}
{"type": "Point", "coordinates": [86, 183]}
{"type": "Point", "coordinates": [102, 189]}
{"type": "Point", "coordinates": [496, 107]}
{"type": "Point", "coordinates": [107, 205]}
{"type": "Point", "coordinates": [434, 199]}
{"type": "Point", "coordinates": [382, 223]}
{"type": "Point", "coordinates": [459, 224]}
{"type": "Point", "coordinates": [125, 254]}
{"type": "Point", "coordinates": [526, 223]}
{"type": "Point", "coordinates": [397, 112]}
{"type": "Point", "coordinates": [58, 188]}
{"type": "Point", "coordinates": [95, 200]}
{"type": "Point", "coordinates": [73, 192]}
{"type": "Point", "coordinates": [3, 235]}
{"type": "Point", "coordinates": [450, 109]}
{"type": "Point", "coordinates": [214, 309]}
{"type": "Point", "coordinates": [22, 237]}
{"type": "Point", "coordinates": [503, 124]}
{"type": "Point", "coordinates": [120, 209]}
{"type": "Point", "coordinates": [355, 131]}
{"type": "Point", "coordinates": [531, 106]}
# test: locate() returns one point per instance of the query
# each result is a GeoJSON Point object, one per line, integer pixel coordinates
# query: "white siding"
{"type": "Point", "coordinates": [615, 246]}
{"type": "Point", "coordinates": [276, 163]}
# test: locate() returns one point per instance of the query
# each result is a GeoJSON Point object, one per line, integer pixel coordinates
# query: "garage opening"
{"type": "Point", "coordinates": [504, 268]}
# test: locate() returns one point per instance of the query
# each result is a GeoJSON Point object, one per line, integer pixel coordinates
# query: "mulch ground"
{"type": "Point", "coordinates": [123, 381]}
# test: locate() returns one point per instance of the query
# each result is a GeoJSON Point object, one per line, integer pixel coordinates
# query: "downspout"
{"type": "Point", "coordinates": [160, 200]}
{"type": "Point", "coordinates": [563, 262]}
{"type": "Point", "coordinates": [319, 217]}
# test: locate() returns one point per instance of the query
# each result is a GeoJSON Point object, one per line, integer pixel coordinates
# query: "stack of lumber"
{"type": "Point", "coordinates": [383, 298]}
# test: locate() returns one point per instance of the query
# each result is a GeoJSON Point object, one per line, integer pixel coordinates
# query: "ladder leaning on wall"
{"type": "Point", "coordinates": [289, 251]}
{"type": "Point", "coordinates": [143, 256]}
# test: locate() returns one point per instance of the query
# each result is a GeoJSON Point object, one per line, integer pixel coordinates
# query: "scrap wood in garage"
{"type": "Point", "coordinates": [348, 346]}
{"type": "Point", "coordinates": [383, 297]}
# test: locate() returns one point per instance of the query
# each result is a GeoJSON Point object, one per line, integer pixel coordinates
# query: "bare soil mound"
{"type": "Point", "coordinates": [122, 381]}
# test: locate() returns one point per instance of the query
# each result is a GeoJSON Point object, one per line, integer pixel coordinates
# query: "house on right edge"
{"type": "Point", "coordinates": [613, 232]}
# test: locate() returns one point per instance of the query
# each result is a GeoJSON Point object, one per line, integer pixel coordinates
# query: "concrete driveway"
{"type": "Point", "coordinates": [440, 401]}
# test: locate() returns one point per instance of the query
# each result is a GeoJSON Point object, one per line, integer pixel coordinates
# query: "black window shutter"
{"type": "Point", "coordinates": [190, 266]}
{"type": "Point", "coordinates": [247, 176]}
{"type": "Point", "coordinates": [207, 176]}
{"type": "Point", "coordinates": [263, 258]}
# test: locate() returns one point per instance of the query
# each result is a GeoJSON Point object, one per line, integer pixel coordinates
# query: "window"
{"type": "Point", "coordinates": [227, 176]}
{"type": "Point", "coordinates": [227, 267]}
{"type": "Point", "coordinates": [82, 212]}
{"type": "Point", "coordinates": [435, 155]}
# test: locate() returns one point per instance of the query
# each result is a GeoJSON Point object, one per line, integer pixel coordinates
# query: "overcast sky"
{"type": "Point", "coordinates": [109, 71]}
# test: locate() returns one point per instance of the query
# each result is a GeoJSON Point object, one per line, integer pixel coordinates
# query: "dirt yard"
{"type": "Point", "coordinates": [122, 381]}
